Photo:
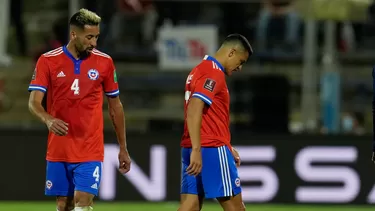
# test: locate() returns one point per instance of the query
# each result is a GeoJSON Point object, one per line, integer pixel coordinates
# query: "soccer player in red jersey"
{"type": "Point", "coordinates": [208, 159]}
{"type": "Point", "coordinates": [74, 77]}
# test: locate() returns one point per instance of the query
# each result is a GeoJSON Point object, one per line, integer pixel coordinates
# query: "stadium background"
{"type": "Point", "coordinates": [301, 107]}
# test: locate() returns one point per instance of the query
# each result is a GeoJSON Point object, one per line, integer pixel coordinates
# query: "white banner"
{"type": "Point", "coordinates": [315, 174]}
{"type": "Point", "coordinates": [183, 47]}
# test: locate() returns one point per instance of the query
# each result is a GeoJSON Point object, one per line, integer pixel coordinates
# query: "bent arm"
{"type": "Point", "coordinates": [36, 108]}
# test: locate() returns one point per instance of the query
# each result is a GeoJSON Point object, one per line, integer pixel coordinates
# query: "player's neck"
{"type": "Point", "coordinates": [72, 50]}
{"type": "Point", "coordinates": [218, 56]}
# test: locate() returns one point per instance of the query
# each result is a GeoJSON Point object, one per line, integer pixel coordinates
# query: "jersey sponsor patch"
{"type": "Point", "coordinates": [209, 84]}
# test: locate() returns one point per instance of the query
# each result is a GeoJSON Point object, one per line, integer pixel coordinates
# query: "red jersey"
{"type": "Point", "coordinates": [207, 82]}
{"type": "Point", "coordinates": [75, 95]}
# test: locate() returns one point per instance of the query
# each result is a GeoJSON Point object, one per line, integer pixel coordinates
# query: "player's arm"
{"type": "Point", "coordinates": [205, 88]}
{"type": "Point", "coordinates": [35, 106]}
{"type": "Point", "coordinates": [115, 108]}
{"type": "Point", "coordinates": [194, 122]}
{"type": "Point", "coordinates": [116, 113]}
{"type": "Point", "coordinates": [37, 89]}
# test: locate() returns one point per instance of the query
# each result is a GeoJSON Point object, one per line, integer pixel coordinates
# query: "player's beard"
{"type": "Point", "coordinates": [82, 52]}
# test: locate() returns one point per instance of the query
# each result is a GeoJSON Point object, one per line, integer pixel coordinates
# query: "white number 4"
{"type": "Point", "coordinates": [96, 174]}
{"type": "Point", "coordinates": [75, 86]}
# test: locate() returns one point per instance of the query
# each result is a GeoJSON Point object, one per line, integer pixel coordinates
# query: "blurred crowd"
{"type": "Point", "coordinates": [271, 25]}
{"type": "Point", "coordinates": [129, 31]}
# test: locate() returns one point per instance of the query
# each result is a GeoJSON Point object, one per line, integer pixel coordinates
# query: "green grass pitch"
{"type": "Point", "coordinates": [49, 206]}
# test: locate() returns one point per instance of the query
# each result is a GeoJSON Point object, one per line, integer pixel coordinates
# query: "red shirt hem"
{"type": "Point", "coordinates": [92, 159]}
{"type": "Point", "coordinates": [207, 142]}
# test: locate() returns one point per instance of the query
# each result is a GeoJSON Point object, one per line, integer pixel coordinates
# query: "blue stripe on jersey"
{"type": "Point", "coordinates": [77, 62]}
{"type": "Point", "coordinates": [114, 93]}
{"type": "Point", "coordinates": [37, 88]}
{"type": "Point", "coordinates": [210, 58]}
{"type": "Point", "coordinates": [203, 97]}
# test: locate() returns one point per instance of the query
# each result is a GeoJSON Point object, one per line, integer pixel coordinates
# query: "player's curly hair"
{"type": "Point", "coordinates": [84, 17]}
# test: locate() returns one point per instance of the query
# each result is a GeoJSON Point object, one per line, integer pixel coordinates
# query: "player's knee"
{"type": "Point", "coordinates": [240, 206]}
{"type": "Point", "coordinates": [65, 203]}
{"type": "Point", "coordinates": [231, 204]}
{"type": "Point", "coordinates": [83, 199]}
{"type": "Point", "coordinates": [190, 206]}
{"type": "Point", "coordinates": [190, 202]}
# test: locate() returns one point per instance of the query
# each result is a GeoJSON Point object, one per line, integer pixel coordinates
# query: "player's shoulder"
{"type": "Point", "coordinates": [55, 53]}
{"type": "Point", "coordinates": [209, 68]}
{"type": "Point", "coordinates": [101, 55]}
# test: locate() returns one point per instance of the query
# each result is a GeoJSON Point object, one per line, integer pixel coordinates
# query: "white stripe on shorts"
{"type": "Point", "coordinates": [225, 173]}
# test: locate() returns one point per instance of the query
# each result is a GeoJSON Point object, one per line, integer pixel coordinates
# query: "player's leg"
{"type": "Point", "coordinates": [220, 178]}
{"type": "Point", "coordinates": [233, 203]}
{"type": "Point", "coordinates": [65, 203]}
{"type": "Point", "coordinates": [191, 202]}
{"type": "Point", "coordinates": [59, 183]}
{"type": "Point", "coordinates": [86, 177]}
{"type": "Point", "coordinates": [191, 186]}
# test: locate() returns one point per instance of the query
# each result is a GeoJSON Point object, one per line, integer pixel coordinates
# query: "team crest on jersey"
{"type": "Point", "coordinates": [209, 84]}
{"type": "Point", "coordinates": [93, 74]}
{"type": "Point", "coordinates": [238, 182]}
{"type": "Point", "coordinates": [48, 184]}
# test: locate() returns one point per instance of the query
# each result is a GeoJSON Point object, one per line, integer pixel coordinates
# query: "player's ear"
{"type": "Point", "coordinates": [231, 52]}
{"type": "Point", "coordinates": [73, 34]}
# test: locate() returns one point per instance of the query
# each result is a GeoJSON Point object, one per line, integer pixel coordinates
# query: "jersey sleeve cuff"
{"type": "Point", "coordinates": [37, 88]}
{"type": "Point", "coordinates": [114, 93]}
{"type": "Point", "coordinates": [203, 97]}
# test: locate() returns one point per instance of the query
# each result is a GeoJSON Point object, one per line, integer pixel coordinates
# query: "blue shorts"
{"type": "Point", "coordinates": [219, 175]}
{"type": "Point", "coordinates": [64, 178]}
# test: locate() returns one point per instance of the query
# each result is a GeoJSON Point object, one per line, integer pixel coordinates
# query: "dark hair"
{"type": "Point", "coordinates": [238, 38]}
{"type": "Point", "coordinates": [84, 17]}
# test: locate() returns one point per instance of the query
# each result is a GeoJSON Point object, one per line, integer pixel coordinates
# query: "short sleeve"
{"type": "Point", "coordinates": [207, 86]}
{"type": "Point", "coordinates": [110, 85]}
{"type": "Point", "coordinates": [40, 78]}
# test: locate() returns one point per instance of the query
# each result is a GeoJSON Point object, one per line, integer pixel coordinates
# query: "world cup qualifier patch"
{"type": "Point", "coordinates": [209, 84]}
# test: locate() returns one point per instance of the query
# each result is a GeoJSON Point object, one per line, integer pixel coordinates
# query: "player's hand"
{"type": "Point", "coordinates": [124, 161]}
{"type": "Point", "coordinates": [236, 157]}
{"type": "Point", "coordinates": [373, 157]}
{"type": "Point", "coordinates": [195, 166]}
{"type": "Point", "coordinates": [57, 126]}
